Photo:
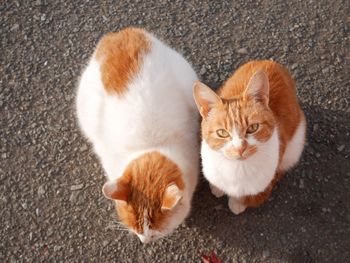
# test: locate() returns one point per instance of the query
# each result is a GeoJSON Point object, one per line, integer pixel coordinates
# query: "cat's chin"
{"type": "Point", "coordinates": [236, 158]}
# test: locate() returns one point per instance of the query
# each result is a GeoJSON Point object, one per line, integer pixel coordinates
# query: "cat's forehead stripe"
{"type": "Point", "coordinates": [235, 118]}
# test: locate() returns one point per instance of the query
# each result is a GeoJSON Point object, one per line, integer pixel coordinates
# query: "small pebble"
{"type": "Point", "coordinates": [73, 197]}
{"type": "Point", "coordinates": [202, 71]}
{"type": "Point", "coordinates": [56, 248]}
{"type": "Point", "coordinates": [341, 148]}
{"type": "Point", "coordinates": [49, 231]}
{"type": "Point", "coordinates": [41, 190]}
{"type": "Point", "coordinates": [15, 27]}
{"type": "Point", "coordinates": [266, 253]}
{"type": "Point", "coordinates": [77, 187]}
{"type": "Point", "coordinates": [83, 148]}
{"type": "Point", "coordinates": [242, 51]}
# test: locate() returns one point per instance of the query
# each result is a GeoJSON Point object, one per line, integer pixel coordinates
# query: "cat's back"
{"type": "Point", "coordinates": [135, 92]}
{"type": "Point", "coordinates": [135, 59]}
{"type": "Point", "coordinates": [282, 93]}
{"type": "Point", "coordinates": [279, 79]}
{"type": "Point", "coordinates": [120, 56]}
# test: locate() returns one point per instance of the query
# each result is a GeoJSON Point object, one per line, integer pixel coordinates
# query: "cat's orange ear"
{"type": "Point", "coordinates": [258, 87]}
{"type": "Point", "coordinates": [171, 198]}
{"type": "Point", "coordinates": [118, 191]}
{"type": "Point", "coordinates": [205, 98]}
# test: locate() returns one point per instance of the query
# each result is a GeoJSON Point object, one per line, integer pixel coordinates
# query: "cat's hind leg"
{"type": "Point", "coordinates": [260, 198]}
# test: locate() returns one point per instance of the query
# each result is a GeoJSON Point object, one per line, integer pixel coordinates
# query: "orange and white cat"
{"type": "Point", "coordinates": [253, 130]}
{"type": "Point", "coordinates": [135, 105]}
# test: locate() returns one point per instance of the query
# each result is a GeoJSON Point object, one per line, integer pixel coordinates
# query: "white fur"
{"type": "Point", "coordinates": [294, 147]}
{"type": "Point", "coordinates": [148, 234]}
{"type": "Point", "coordinates": [251, 140]}
{"type": "Point", "coordinates": [242, 177]}
{"type": "Point", "coordinates": [157, 112]}
{"type": "Point", "coordinates": [236, 140]}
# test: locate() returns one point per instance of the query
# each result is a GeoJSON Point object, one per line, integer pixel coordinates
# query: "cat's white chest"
{"type": "Point", "coordinates": [239, 178]}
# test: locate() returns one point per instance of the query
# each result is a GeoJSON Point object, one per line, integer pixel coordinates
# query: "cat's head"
{"type": "Point", "coordinates": [238, 126]}
{"type": "Point", "coordinates": [149, 196]}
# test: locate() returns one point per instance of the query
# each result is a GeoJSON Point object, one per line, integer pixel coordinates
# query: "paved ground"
{"type": "Point", "coordinates": [51, 205]}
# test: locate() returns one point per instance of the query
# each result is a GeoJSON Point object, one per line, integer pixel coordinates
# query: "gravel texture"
{"type": "Point", "coordinates": [51, 205]}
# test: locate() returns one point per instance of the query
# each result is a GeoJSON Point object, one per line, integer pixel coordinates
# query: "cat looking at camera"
{"type": "Point", "coordinates": [253, 130]}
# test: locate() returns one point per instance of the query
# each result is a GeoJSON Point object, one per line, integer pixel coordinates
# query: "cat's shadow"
{"type": "Point", "coordinates": [304, 217]}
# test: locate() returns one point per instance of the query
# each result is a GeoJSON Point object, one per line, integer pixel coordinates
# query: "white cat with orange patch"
{"type": "Point", "coordinates": [253, 130]}
{"type": "Point", "coordinates": [135, 105]}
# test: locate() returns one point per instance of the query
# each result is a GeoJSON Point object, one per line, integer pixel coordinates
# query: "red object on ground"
{"type": "Point", "coordinates": [210, 259]}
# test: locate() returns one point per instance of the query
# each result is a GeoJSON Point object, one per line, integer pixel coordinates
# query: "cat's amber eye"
{"type": "Point", "coordinates": [253, 128]}
{"type": "Point", "coordinates": [222, 133]}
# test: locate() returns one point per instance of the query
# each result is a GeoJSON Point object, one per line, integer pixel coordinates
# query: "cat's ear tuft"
{"type": "Point", "coordinates": [116, 190]}
{"type": "Point", "coordinates": [171, 198]}
{"type": "Point", "coordinates": [258, 87]}
{"type": "Point", "coordinates": [205, 98]}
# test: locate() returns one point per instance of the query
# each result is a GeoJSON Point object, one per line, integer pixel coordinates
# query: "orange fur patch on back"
{"type": "Point", "coordinates": [120, 55]}
{"type": "Point", "coordinates": [148, 177]}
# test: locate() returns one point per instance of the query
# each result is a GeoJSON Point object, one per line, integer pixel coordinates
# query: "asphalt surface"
{"type": "Point", "coordinates": [51, 205]}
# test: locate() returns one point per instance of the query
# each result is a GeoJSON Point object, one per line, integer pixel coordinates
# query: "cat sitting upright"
{"type": "Point", "coordinates": [135, 105]}
{"type": "Point", "coordinates": [253, 130]}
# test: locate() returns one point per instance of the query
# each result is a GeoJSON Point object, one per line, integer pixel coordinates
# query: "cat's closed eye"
{"type": "Point", "coordinates": [253, 128]}
{"type": "Point", "coordinates": [222, 133]}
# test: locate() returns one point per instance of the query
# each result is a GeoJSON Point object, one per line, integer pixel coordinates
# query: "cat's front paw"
{"type": "Point", "coordinates": [236, 206]}
{"type": "Point", "coordinates": [216, 191]}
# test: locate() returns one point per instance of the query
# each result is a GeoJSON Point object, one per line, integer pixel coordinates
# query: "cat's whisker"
{"type": "Point", "coordinates": [117, 226]}
{"type": "Point", "coordinates": [118, 229]}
